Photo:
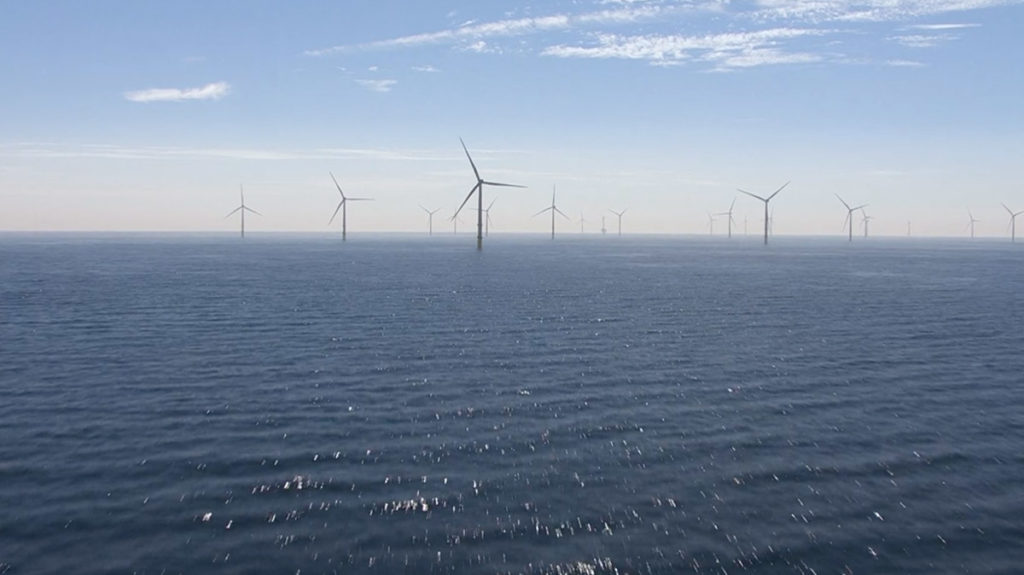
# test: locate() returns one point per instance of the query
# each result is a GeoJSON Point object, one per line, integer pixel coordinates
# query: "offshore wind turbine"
{"type": "Point", "coordinates": [487, 218]}
{"type": "Point", "coordinates": [973, 221]}
{"type": "Point", "coordinates": [430, 219]}
{"type": "Point", "coordinates": [849, 215]}
{"type": "Point", "coordinates": [619, 214]}
{"type": "Point", "coordinates": [711, 224]}
{"type": "Point", "coordinates": [479, 189]}
{"type": "Point", "coordinates": [582, 221]}
{"type": "Point", "coordinates": [242, 208]}
{"type": "Point", "coordinates": [343, 206]}
{"type": "Point", "coordinates": [1013, 222]}
{"type": "Point", "coordinates": [765, 200]}
{"type": "Point", "coordinates": [866, 219]}
{"type": "Point", "coordinates": [553, 209]}
{"type": "Point", "coordinates": [729, 213]}
{"type": "Point", "coordinates": [604, 229]}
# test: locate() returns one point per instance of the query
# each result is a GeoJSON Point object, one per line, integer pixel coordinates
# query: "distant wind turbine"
{"type": "Point", "coordinates": [242, 208]}
{"type": "Point", "coordinates": [552, 208]}
{"type": "Point", "coordinates": [582, 221]}
{"type": "Point", "coordinates": [479, 189]}
{"type": "Point", "coordinates": [604, 229]}
{"type": "Point", "coordinates": [487, 218]}
{"type": "Point", "coordinates": [729, 214]}
{"type": "Point", "coordinates": [866, 219]}
{"type": "Point", "coordinates": [1013, 222]}
{"type": "Point", "coordinates": [765, 200]}
{"type": "Point", "coordinates": [848, 222]}
{"type": "Point", "coordinates": [711, 224]}
{"type": "Point", "coordinates": [343, 206]}
{"type": "Point", "coordinates": [973, 221]}
{"type": "Point", "coordinates": [430, 219]}
{"type": "Point", "coordinates": [619, 214]}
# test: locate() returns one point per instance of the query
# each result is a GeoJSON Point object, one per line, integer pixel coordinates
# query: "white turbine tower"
{"type": "Point", "coordinates": [711, 224]}
{"type": "Point", "coordinates": [343, 206]}
{"type": "Point", "coordinates": [865, 219]}
{"type": "Point", "coordinates": [729, 214]}
{"type": "Point", "coordinates": [619, 215]}
{"type": "Point", "coordinates": [1013, 222]}
{"type": "Point", "coordinates": [767, 218]}
{"type": "Point", "coordinates": [430, 219]}
{"type": "Point", "coordinates": [553, 209]}
{"type": "Point", "coordinates": [971, 224]}
{"type": "Point", "coordinates": [848, 222]}
{"type": "Point", "coordinates": [479, 189]}
{"type": "Point", "coordinates": [242, 208]}
{"type": "Point", "coordinates": [487, 218]}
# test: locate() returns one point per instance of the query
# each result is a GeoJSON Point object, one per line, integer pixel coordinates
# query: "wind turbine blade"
{"type": "Point", "coordinates": [1008, 210]}
{"type": "Point", "coordinates": [751, 195]}
{"type": "Point", "coordinates": [467, 198]}
{"type": "Point", "coordinates": [846, 220]}
{"type": "Point", "coordinates": [490, 204]}
{"type": "Point", "coordinates": [250, 210]}
{"type": "Point", "coordinates": [359, 199]}
{"type": "Point", "coordinates": [542, 211]}
{"type": "Point", "coordinates": [731, 206]}
{"type": "Point", "coordinates": [860, 207]}
{"type": "Point", "coordinates": [233, 212]}
{"type": "Point", "coordinates": [422, 208]}
{"type": "Point", "coordinates": [560, 212]}
{"type": "Point", "coordinates": [464, 149]}
{"type": "Point", "coordinates": [335, 214]}
{"type": "Point", "coordinates": [777, 192]}
{"type": "Point", "coordinates": [337, 185]}
{"type": "Point", "coordinates": [504, 185]}
{"type": "Point", "coordinates": [844, 202]}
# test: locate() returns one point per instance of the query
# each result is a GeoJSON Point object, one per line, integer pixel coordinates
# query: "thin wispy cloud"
{"type": "Point", "coordinates": [904, 64]}
{"type": "Point", "coordinates": [214, 91]}
{"type": "Point", "coordinates": [628, 29]}
{"type": "Point", "coordinates": [426, 69]}
{"type": "Point", "coordinates": [729, 50]}
{"type": "Point", "coordinates": [377, 85]}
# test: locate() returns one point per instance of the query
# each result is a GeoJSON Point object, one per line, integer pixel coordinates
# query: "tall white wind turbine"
{"type": "Point", "coordinates": [479, 189]}
{"type": "Point", "coordinates": [242, 209]}
{"type": "Point", "coordinates": [972, 222]}
{"type": "Point", "coordinates": [765, 200]}
{"type": "Point", "coordinates": [848, 222]}
{"type": "Point", "coordinates": [866, 220]}
{"type": "Point", "coordinates": [1013, 222]}
{"type": "Point", "coordinates": [430, 219]}
{"type": "Point", "coordinates": [487, 218]}
{"type": "Point", "coordinates": [619, 214]}
{"type": "Point", "coordinates": [729, 215]}
{"type": "Point", "coordinates": [553, 209]}
{"type": "Point", "coordinates": [343, 207]}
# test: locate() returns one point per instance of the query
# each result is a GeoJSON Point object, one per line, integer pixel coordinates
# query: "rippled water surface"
{"type": "Point", "coordinates": [185, 404]}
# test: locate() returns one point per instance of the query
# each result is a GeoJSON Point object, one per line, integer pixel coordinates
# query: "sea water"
{"type": "Point", "coordinates": [592, 404]}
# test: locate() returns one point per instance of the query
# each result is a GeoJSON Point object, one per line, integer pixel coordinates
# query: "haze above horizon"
{"type": "Point", "coordinates": [145, 116]}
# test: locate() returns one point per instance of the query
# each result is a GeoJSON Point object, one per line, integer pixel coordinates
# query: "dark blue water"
{"type": "Point", "coordinates": [197, 404]}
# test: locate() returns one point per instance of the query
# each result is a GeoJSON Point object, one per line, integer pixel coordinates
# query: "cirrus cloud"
{"type": "Point", "coordinates": [214, 91]}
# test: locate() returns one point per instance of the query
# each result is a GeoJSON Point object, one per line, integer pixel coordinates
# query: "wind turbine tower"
{"type": "Point", "coordinates": [711, 224]}
{"type": "Point", "coordinates": [1013, 222]}
{"type": "Point", "coordinates": [848, 222]}
{"type": "Point", "coordinates": [242, 208]}
{"type": "Point", "coordinates": [479, 189]}
{"type": "Point", "coordinates": [582, 221]}
{"type": "Point", "coordinates": [729, 214]}
{"type": "Point", "coordinates": [866, 219]}
{"type": "Point", "coordinates": [765, 200]}
{"type": "Point", "coordinates": [619, 214]}
{"type": "Point", "coordinates": [553, 210]}
{"type": "Point", "coordinates": [487, 218]}
{"type": "Point", "coordinates": [430, 219]}
{"type": "Point", "coordinates": [343, 206]}
{"type": "Point", "coordinates": [973, 221]}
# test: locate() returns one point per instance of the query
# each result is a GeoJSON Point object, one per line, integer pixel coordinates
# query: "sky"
{"type": "Point", "coordinates": [150, 116]}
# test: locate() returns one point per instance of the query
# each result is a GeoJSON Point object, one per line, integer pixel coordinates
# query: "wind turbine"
{"type": "Point", "coordinates": [765, 200]}
{"type": "Point", "coordinates": [711, 224]}
{"type": "Point", "coordinates": [604, 229]}
{"type": "Point", "coordinates": [866, 219]}
{"type": "Point", "coordinates": [582, 221]}
{"type": "Point", "coordinates": [479, 187]}
{"type": "Point", "coordinates": [242, 208]}
{"type": "Point", "coordinates": [430, 219]}
{"type": "Point", "coordinates": [487, 219]}
{"type": "Point", "coordinates": [849, 215]}
{"type": "Point", "coordinates": [1013, 222]}
{"type": "Point", "coordinates": [343, 206]}
{"type": "Point", "coordinates": [455, 223]}
{"type": "Point", "coordinates": [973, 221]}
{"type": "Point", "coordinates": [619, 214]}
{"type": "Point", "coordinates": [729, 213]}
{"type": "Point", "coordinates": [553, 209]}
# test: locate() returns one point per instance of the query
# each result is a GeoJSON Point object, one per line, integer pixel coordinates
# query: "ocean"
{"type": "Point", "coordinates": [588, 405]}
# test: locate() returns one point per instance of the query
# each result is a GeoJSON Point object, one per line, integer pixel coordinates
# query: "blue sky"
{"type": "Point", "coordinates": [148, 116]}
